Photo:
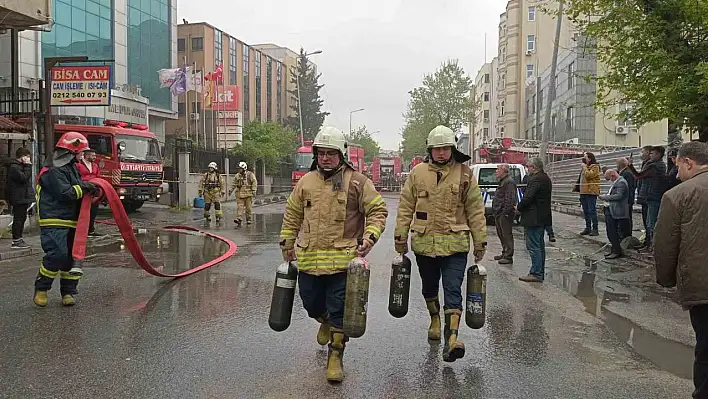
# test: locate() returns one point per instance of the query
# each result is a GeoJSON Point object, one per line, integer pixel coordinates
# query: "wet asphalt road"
{"type": "Point", "coordinates": [207, 336]}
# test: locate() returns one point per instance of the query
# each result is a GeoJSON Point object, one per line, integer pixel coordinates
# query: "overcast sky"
{"type": "Point", "coordinates": [373, 52]}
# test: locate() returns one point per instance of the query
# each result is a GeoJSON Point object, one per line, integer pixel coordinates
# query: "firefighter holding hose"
{"type": "Point", "coordinates": [331, 208]}
{"type": "Point", "coordinates": [245, 185]}
{"type": "Point", "coordinates": [441, 207]}
{"type": "Point", "coordinates": [59, 193]}
{"type": "Point", "coordinates": [211, 187]}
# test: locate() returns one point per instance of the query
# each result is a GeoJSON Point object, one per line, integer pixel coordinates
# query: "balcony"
{"type": "Point", "coordinates": [24, 13]}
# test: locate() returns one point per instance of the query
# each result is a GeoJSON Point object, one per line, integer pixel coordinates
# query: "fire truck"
{"type": "Point", "coordinates": [304, 158]}
{"type": "Point", "coordinates": [518, 151]}
{"type": "Point", "coordinates": [386, 172]}
{"type": "Point", "coordinates": [128, 156]}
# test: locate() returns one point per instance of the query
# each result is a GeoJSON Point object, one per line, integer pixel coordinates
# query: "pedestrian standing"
{"type": "Point", "coordinates": [20, 193]}
{"type": "Point", "coordinates": [245, 185]}
{"type": "Point", "coordinates": [628, 176]}
{"type": "Point", "coordinates": [331, 209]}
{"type": "Point", "coordinates": [441, 207]}
{"type": "Point", "coordinates": [88, 169]}
{"type": "Point", "coordinates": [503, 205]}
{"type": "Point", "coordinates": [59, 191]}
{"type": "Point", "coordinates": [653, 178]}
{"type": "Point", "coordinates": [588, 185]}
{"type": "Point", "coordinates": [680, 250]}
{"type": "Point", "coordinates": [549, 228]}
{"type": "Point", "coordinates": [535, 209]}
{"type": "Point", "coordinates": [672, 179]}
{"type": "Point", "coordinates": [616, 212]}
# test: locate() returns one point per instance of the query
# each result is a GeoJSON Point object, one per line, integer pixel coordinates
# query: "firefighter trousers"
{"type": "Point", "coordinates": [57, 243]}
{"type": "Point", "coordinates": [323, 296]}
{"type": "Point", "coordinates": [451, 269]}
{"type": "Point", "coordinates": [217, 210]}
{"type": "Point", "coordinates": [245, 205]}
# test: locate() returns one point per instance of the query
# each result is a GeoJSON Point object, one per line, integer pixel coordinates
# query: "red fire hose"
{"type": "Point", "coordinates": [126, 230]}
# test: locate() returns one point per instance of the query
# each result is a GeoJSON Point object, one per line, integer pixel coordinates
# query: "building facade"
{"type": "Point", "coordinates": [257, 80]}
{"type": "Point", "coordinates": [138, 35]}
{"type": "Point", "coordinates": [526, 37]}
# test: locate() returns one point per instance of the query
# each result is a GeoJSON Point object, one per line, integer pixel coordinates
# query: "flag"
{"type": "Point", "coordinates": [196, 82]}
{"type": "Point", "coordinates": [217, 75]}
{"type": "Point", "coordinates": [167, 77]}
{"type": "Point", "coordinates": [208, 91]}
{"type": "Point", "coordinates": [181, 82]}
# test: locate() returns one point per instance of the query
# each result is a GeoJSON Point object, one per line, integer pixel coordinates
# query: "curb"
{"type": "Point", "coordinates": [569, 210]}
{"type": "Point", "coordinates": [270, 200]}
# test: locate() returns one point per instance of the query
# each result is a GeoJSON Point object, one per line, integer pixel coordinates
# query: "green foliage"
{"type": "Point", "coordinates": [312, 115]}
{"type": "Point", "coordinates": [655, 53]}
{"type": "Point", "coordinates": [267, 142]}
{"type": "Point", "coordinates": [443, 99]}
{"type": "Point", "coordinates": [362, 137]}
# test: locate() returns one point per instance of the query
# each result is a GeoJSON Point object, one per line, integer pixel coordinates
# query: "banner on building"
{"type": "Point", "coordinates": [224, 98]}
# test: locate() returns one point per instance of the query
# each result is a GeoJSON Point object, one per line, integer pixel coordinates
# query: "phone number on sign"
{"type": "Point", "coordinates": [79, 95]}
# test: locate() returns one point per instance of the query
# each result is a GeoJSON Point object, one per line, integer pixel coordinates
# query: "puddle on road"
{"type": "Point", "coordinates": [666, 354]}
{"type": "Point", "coordinates": [167, 251]}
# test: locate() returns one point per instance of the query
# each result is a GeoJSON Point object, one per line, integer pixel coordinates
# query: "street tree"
{"type": "Point", "coordinates": [655, 55]}
{"type": "Point", "coordinates": [362, 137]}
{"type": "Point", "coordinates": [443, 99]}
{"type": "Point", "coordinates": [266, 142]}
{"type": "Point", "coordinates": [312, 115]}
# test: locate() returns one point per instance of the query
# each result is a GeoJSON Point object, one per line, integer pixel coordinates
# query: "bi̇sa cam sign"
{"type": "Point", "coordinates": [81, 85]}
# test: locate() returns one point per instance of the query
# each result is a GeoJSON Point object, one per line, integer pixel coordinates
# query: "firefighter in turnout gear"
{"type": "Point", "coordinates": [212, 189]}
{"type": "Point", "coordinates": [59, 193]}
{"type": "Point", "coordinates": [331, 210]}
{"type": "Point", "coordinates": [441, 207]}
{"type": "Point", "coordinates": [245, 185]}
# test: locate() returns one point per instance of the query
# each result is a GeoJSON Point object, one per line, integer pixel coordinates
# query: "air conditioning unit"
{"type": "Point", "coordinates": [194, 116]}
{"type": "Point", "coordinates": [621, 130]}
{"type": "Point", "coordinates": [574, 140]}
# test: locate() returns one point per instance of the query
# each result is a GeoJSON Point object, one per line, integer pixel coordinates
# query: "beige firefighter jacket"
{"type": "Point", "coordinates": [245, 184]}
{"type": "Point", "coordinates": [329, 217]}
{"type": "Point", "coordinates": [212, 187]}
{"type": "Point", "coordinates": [441, 212]}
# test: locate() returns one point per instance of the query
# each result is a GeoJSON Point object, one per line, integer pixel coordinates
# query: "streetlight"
{"type": "Point", "coordinates": [350, 118]}
{"type": "Point", "coordinates": [299, 103]}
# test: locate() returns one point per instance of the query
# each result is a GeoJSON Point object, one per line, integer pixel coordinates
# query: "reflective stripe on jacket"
{"type": "Point", "coordinates": [441, 206]}
{"type": "Point", "coordinates": [328, 217]}
{"type": "Point", "coordinates": [58, 196]}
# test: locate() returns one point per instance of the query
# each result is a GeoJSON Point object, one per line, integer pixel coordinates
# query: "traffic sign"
{"type": "Point", "coordinates": [81, 86]}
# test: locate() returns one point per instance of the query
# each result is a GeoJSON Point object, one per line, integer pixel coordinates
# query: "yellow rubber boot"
{"type": "Point", "coordinates": [40, 298]}
{"type": "Point", "coordinates": [434, 310]}
{"type": "Point", "coordinates": [219, 216]}
{"type": "Point", "coordinates": [323, 332]}
{"type": "Point", "coordinates": [454, 349]}
{"type": "Point", "coordinates": [68, 300]}
{"type": "Point", "coordinates": [335, 371]}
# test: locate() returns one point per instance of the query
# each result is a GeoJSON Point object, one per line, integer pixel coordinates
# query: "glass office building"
{"type": "Point", "coordinates": [82, 27]}
{"type": "Point", "coordinates": [149, 38]}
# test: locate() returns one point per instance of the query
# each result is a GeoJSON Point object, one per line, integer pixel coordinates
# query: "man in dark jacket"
{"type": "Point", "coordinates": [652, 188]}
{"type": "Point", "coordinates": [59, 193]}
{"type": "Point", "coordinates": [549, 228]}
{"type": "Point", "coordinates": [616, 212]}
{"type": "Point", "coordinates": [680, 250]}
{"type": "Point", "coordinates": [20, 193]}
{"type": "Point", "coordinates": [535, 209]}
{"type": "Point", "coordinates": [628, 176]}
{"type": "Point", "coordinates": [503, 209]}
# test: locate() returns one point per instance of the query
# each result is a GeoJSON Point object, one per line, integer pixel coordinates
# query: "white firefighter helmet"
{"type": "Point", "coordinates": [331, 137]}
{"type": "Point", "coordinates": [212, 165]}
{"type": "Point", "coordinates": [243, 165]}
{"type": "Point", "coordinates": [441, 136]}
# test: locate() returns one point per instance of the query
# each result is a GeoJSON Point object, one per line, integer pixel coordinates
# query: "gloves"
{"type": "Point", "coordinates": [401, 244]}
{"type": "Point", "coordinates": [289, 255]}
{"type": "Point", "coordinates": [201, 193]}
{"type": "Point", "coordinates": [89, 187]}
{"type": "Point", "coordinates": [479, 254]}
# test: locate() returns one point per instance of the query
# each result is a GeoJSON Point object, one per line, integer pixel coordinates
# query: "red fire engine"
{"type": "Point", "coordinates": [386, 172]}
{"type": "Point", "coordinates": [517, 151]}
{"type": "Point", "coordinates": [128, 156]}
{"type": "Point", "coordinates": [303, 159]}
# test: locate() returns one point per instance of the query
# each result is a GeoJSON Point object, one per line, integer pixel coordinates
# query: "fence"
{"type": "Point", "coordinates": [564, 175]}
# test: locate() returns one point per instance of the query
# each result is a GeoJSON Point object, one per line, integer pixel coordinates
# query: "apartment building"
{"type": "Point", "coordinates": [484, 112]}
{"type": "Point", "coordinates": [254, 84]}
{"type": "Point", "coordinates": [526, 36]}
{"type": "Point", "coordinates": [289, 59]}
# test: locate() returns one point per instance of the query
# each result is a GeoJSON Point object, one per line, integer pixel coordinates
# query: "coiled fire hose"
{"type": "Point", "coordinates": [126, 230]}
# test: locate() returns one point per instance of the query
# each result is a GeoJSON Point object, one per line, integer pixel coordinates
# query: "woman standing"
{"type": "Point", "coordinates": [589, 187]}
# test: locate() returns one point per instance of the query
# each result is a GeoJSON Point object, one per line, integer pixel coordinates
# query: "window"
{"type": "Point", "coordinates": [232, 61]}
{"type": "Point", "coordinates": [486, 96]}
{"type": "Point", "coordinates": [532, 13]}
{"type": "Point", "coordinates": [218, 48]}
{"type": "Point", "coordinates": [269, 88]}
{"type": "Point", "coordinates": [258, 85]}
{"type": "Point", "coordinates": [571, 76]}
{"type": "Point", "coordinates": [486, 115]}
{"type": "Point", "coordinates": [533, 104]}
{"type": "Point", "coordinates": [246, 85]}
{"type": "Point", "coordinates": [197, 43]}
{"type": "Point", "coordinates": [528, 108]}
{"type": "Point", "coordinates": [553, 125]}
{"type": "Point", "coordinates": [486, 78]}
{"type": "Point", "coordinates": [279, 85]}
{"type": "Point", "coordinates": [486, 132]}
{"type": "Point", "coordinates": [488, 177]}
{"type": "Point", "coordinates": [180, 44]}
{"type": "Point", "coordinates": [515, 175]}
{"type": "Point", "coordinates": [502, 108]}
{"type": "Point", "coordinates": [533, 133]}
{"type": "Point", "coordinates": [529, 70]}
{"type": "Point", "coordinates": [531, 42]}
{"type": "Point", "coordinates": [180, 108]}
{"type": "Point", "coordinates": [569, 119]}
{"type": "Point", "coordinates": [540, 100]}
{"type": "Point", "coordinates": [99, 143]}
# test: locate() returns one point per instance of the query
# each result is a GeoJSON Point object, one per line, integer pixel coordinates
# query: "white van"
{"type": "Point", "coordinates": [485, 173]}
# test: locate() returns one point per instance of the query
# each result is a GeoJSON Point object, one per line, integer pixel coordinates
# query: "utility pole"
{"type": "Point", "coordinates": [552, 86]}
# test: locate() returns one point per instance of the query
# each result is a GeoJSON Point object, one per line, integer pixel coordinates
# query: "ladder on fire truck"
{"type": "Point", "coordinates": [532, 146]}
